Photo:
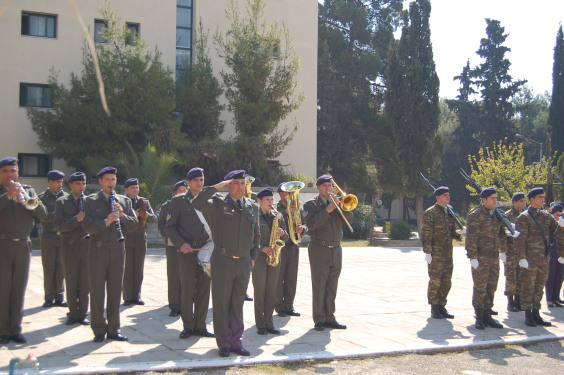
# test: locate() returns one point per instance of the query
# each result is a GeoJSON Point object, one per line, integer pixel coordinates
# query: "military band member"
{"type": "Point", "coordinates": [135, 246]}
{"type": "Point", "coordinates": [106, 254]}
{"type": "Point", "coordinates": [325, 228]}
{"type": "Point", "coordinates": [555, 269]}
{"type": "Point", "coordinates": [532, 248]}
{"type": "Point", "coordinates": [16, 223]}
{"type": "Point", "coordinates": [485, 244]}
{"type": "Point", "coordinates": [53, 282]}
{"type": "Point", "coordinates": [265, 276]}
{"type": "Point", "coordinates": [188, 229]}
{"type": "Point", "coordinates": [511, 266]}
{"type": "Point", "coordinates": [236, 236]}
{"type": "Point", "coordinates": [172, 270]}
{"type": "Point", "coordinates": [437, 233]}
{"type": "Point", "coordinates": [69, 213]}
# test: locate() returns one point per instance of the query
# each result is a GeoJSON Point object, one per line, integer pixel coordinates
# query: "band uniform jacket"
{"type": "Point", "coordinates": [183, 224]}
{"type": "Point", "coordinates": [162, 219]}
{"type": "Point", "coordinates": [152, 218]}
{"type": "Point", "coordinates": [438, 231]}
{"type": "Point", "coordinates": [66, 209]}
{"type": "Point", "coordinates": [49, 199]}
{"type": "Point", "coordinates": [16, 221]}
{"type": "Point", "coordinates": [530, 245]}
{"type": "Point", "coordinates": [325, 229]}
{"type": "Point", "coordinates": [485, 234]}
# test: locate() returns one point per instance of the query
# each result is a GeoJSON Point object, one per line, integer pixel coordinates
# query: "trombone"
{"type": "Point", "coordinates": [348, 202]}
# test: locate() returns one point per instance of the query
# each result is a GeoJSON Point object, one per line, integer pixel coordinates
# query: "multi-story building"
{"type": "Point", "coordinates": [40, 35]}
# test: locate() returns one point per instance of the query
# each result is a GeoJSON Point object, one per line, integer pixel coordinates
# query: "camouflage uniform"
{"type": "Point", "coordinates": [436, 237]}
{"type": "Point", "coordinates": [511, 266]}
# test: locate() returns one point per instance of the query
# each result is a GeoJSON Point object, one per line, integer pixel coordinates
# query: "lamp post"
{"type": "Point", "coordinates": [532, 140]}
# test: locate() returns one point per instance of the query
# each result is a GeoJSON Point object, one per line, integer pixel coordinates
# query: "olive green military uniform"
{"type": "Point", "coordinates": [236, 237]}
{"type": "Point", "coordinates": [135, 251]}
{"type": "Point", "coordinates": [485, 240]}
{"type": "Point", "coordinates": [184, 226]}
{"type": "Point", "coordinates": [511, 266]}
{"type": "Point", "coordinates": [53, 282]}
{"type": "Point", "coordinates": [74, 254]}
{"type": "Point", "coordinates": [439, 228]}
{"type": "Point", "coordinates": [16, 223]}
{"type": "Point", "coordinates": [265, 277]}
{"type": "Point", "coordinates": [106, 259]}
{"type": "Point", "coordinates": [172, 270]}
{"type": "Point", "coordinates": [325, 256]}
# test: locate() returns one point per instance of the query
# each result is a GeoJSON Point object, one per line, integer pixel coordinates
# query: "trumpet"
{"type": "Point", "coordinates": [118, 225]}
{"type": "Point", "coordinates": [293, 206]}
{"type": "Point", "coordinates": [28, 202]}
{"type": "Point", "coordinates": [348, 203]}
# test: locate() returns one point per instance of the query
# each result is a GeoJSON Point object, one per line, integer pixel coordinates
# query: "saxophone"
{"type": "Point", "coordinates": [275, 243]}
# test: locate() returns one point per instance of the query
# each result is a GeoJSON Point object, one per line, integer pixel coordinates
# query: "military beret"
{"type": "Point", "coordinates": [179, 184]}
{"type": "Point", "coordinates": [131, 182]}
{"type": "Point", "coordinates": [323, 179]}
{"type": "Point", "coordinates": [517, 196]}
{"type": "Point", "coordinates": [556, 208]}
{"type": "Point", "coordinates": [236, 174]}
{"type": "Point", "coordinates": [266, 192]}
{"type": "Point", "coordinates": [558, 202]}
{"type": "Point", "coordinates": [486, 192]}
{"type": "Point", "coordinates": [279, 190]}
{"type": "Point", "coordinates": [195, 172]}
{"type": "Point", "coordinates": [10, 160]}
{"type": "Point", "coordinates": [55, 175]}
{"type": "Point", "coordinates": [106, 170]}
{"type": "Point", "coordinates": [440, 190]}
{"type": "Point", "coordinates": [77, 176]}
{"type": "Point", "coordinates": [534, 192]}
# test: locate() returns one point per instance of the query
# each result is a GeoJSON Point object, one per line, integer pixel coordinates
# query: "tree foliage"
{"type": "Point", "coordinates": [556, 112]}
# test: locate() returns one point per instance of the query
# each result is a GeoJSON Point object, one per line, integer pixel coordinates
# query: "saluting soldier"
{"type": "Point", "coordinates": [135, 245]}
{"type": "Point", "coordinates": [486, 242]}
{"type": "Point", "coordinates": [53, 282]}
{"type": "Point", "coordinates": [106, 254]}
{"type": "Point", "coordinates": [188, 229]}
{"type": "Point", "coordinates": [437, 233]}
{"type": "Point", "coordinates": [69, 213]}
{"type": "Point", "coordinates": [265, 276]}
{"type": "Point", "coordinates": [16, 223]}
{"type": "Point", "coordinates": [172, 269]}
{"type": "Point", "coordinates": [532, 249]}
{"type": "Point", "coordinates": [511, 266]}
{"type": "Point", "coordinates": [325, 228]}
{"type": "Point", "coordinates": [236, 236]}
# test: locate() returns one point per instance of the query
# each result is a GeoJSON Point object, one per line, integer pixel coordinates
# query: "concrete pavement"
{"type": "Point", "coordinates": [382, 299]}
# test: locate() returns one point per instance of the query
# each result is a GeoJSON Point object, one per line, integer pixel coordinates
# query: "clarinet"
{"type": "Point", "coordinates": [81, 207]}
{"type": "Point", "coordinates": [112, 203]}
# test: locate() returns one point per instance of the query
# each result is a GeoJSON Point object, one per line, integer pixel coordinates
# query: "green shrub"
{"type": "Point", "coordinates": [400, 230]}
{"type": "Point", "coordinates": [360, 223]}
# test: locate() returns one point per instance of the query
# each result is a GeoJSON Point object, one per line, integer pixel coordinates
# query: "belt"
{"type": "Point", "coordinates": [222, 252]}
{"type": "Point", "coordinates": [6, 238]}
{"type": "Point", "coordinates": [324, 244]}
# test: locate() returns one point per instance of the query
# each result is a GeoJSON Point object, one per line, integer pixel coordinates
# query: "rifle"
{"type": "Point", "coordinates": [498, 212]}
{"type": "Point", "coordinates": [448, 206]}
{"type": "Point", "coordinates": [558, 178]}
{"type": "Point", "coordinates": [508, 190]}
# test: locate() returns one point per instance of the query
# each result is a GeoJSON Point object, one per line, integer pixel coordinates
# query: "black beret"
{"type": "Point", "coordinates": [517, 196]}
{"type": "Point", "coordinates": [534, 192]}
{"type": "Point", "coordinates": [106, 170]}
{"type": "Point", "coordinates": [266, 192]}
{"type": "Point", "coordinates": [77, 176]}
{"type": "Point", "coordinates": [236, 174]}
{"type": "Point", "coordinates": [10, 160]}
{"type": "Point", "coordinates": [440, 190]}
{"type": "Point", "coordinates": [556, 208]}
{"type": "Point", "coordinates": [179, 184]}
{"type": "Point", "coordinates": [486, 192]}
{"type": "Point", "coordinates": [279, 190]}
{"type": "Point", "coordinates": [195, 172]}
{"type": "Point", "coordinates": [131, 182]}
{"type": "Point", "coordinates": [55, 175]}
{"type": "Point", "coordinates": [323, 179]}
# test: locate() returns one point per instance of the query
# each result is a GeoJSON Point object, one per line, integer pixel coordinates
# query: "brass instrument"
{"type": "Point", "coordinates": [23, 198]}
{"type": "Point", "coordinates": [118, 225]}
{"type": "Point", "coordinates": [293, 206]}
{"type": "Point", "coordinates": [248, 182]}
{"type": "Point", "coordinates": [142, 211]}
{"type": "Point", "coordinates": [82, 213]}
{"type": "Point", "coordinates": [275, 243]}
{"type": "Point", "coordinates": [348, 203]}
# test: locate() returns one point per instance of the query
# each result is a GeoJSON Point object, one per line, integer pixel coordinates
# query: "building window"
{"type": "Point", "coordinates": [34, 95]}
{"type": "Point", "coordinates": [34, 165]}
{"type": "Point", "coordinates": [183, 36]}
{"type": "Point", "coordinates": [35, 24]}
{"type": "Point", "coordinates": [100, 25]}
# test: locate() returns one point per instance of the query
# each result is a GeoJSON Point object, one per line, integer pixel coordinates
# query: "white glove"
{"type": "Point", "coordinates": [561, 221]}
{"type": "Point", "coordinates": [474, 263]}
{"type": "Point", "coordinates": [503, 257]}
{"type": "Point", "coordinates": [560, 260]}
{"type": "Point", "coordinates": [515, 235]}
{"type": "Point", "coordinates": [428, 258]}
{"type": "Point", "coordinates": [462, 231]}
{"type": "Point", "coordinates": [523, 263]}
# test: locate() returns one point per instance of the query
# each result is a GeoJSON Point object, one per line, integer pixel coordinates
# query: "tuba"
{"type": "Point", "coordinates": [142, 210]}
{"type": "Point", "coordinates": [248, 182]}
{"type": "Point", "coordinates": [293, 208]}
{"type": "Point", "coordinates": [275, 243]}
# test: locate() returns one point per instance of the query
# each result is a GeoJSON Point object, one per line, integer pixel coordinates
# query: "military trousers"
{"type": "Point", "coordinates": [325, 264]}
{"type": "Point", "coordinates": [533, 282]}
{"type": "Point", "coordinates": [74, 256]}
{"type": "Point", "coordinates": [485, 283]}
{"type": "Point", "coordinates": [265, 279]}
{"type": "Point", "coordinates": [230, 279]}
{"type": "Point", "coordinates": [15, 258]}
{"type": "Point", "coordinates": [135, 251]}
{"type": "Point", "coordinates": [554, 281]}
{"type": "Point", "coordinates": [195, 292]}
{"type": "Point", "coordinates": [105, 276]}
{"type": "Point", "coordinates": [512, 275]}
{"type": "Point", "coordinates": [53, 282]}
{"type": "Point", "coordinates": [440, 278]}
{"type": "Point", "coordinates": [287, 278]}
{"type": "Point", "coordinates": [173, 277]}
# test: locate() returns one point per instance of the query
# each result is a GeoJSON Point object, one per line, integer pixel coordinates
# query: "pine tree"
{"type": "Point", "coordinates": [556, 111]}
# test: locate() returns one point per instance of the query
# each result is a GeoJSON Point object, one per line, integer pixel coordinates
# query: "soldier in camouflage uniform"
{"type": "Point", "coordinates": [485, 241]}
{"type": "Point", "coordinates": [531, 248]}
{"type": "Point", "coordinates": [511, 266]}
{"type": "Point", "coordinates": [436, 237]}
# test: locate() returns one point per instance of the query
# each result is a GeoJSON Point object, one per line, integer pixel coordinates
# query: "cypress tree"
{"type": "Point", "coordinates": [556, 111]}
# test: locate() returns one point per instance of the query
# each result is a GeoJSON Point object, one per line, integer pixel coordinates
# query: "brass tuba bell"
{"type": "Point", "coordinates": [248, 182]}
{"type": "Point", "coordinates": [293, 208]}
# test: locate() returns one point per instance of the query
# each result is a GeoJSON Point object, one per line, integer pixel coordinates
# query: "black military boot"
{"type": "Point", "coordinates": [511, 304]}
{"type": "Point", "coordinates": [489, 321]}
{"type": "Point", "coordinates": [445, 313]}
{"type": "Point", "coordinates": [529, 320]}
{"type": "Point", "coordinates": [435, 312]}
{"type": "Point", "coordinates": [539, 320]}
{"type": "Point", "coordinates": [518, 302]}
{"type": "Point", "coordinates": [479, 319]}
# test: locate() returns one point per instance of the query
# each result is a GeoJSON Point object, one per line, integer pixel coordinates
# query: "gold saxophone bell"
{"type": "Point", "coordinates": [275, 243]}
{"type": "Point", "coordinates": [293, 208]}
{"type": "Point", "coordinates": [248, 182]}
